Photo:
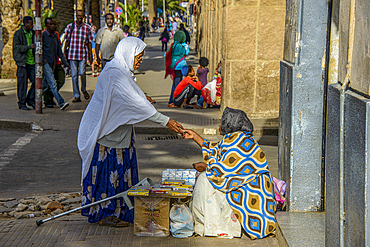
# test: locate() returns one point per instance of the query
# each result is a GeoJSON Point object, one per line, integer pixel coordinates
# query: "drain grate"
{"type": "Point", "coordinates": [163, 137]}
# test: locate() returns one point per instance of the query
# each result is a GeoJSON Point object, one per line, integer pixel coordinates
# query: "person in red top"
{"type": "Point", "coordinates": [187, 88]}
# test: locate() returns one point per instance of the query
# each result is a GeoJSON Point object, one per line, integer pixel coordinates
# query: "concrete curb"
{"type": "Point", "coordinates": [8, 80]}
{"type": "Point", "coordinates": [19, 125]}
{"type": "Point", "coordinates": [280, 237]}
{"type": "Point", "coordinates": [209, 130]}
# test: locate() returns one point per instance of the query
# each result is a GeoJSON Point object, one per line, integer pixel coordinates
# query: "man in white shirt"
{"type": "Point", "coordinates": [107, 40]}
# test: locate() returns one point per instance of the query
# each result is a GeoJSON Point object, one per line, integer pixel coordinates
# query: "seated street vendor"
{"type": "Point", "coordinates": [235, 183]}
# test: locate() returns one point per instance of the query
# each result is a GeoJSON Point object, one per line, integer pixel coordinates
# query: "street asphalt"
{"type": "Point", "coordinates": [47, 161]}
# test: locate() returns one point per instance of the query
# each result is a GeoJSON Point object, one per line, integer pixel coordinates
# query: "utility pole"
{"type": "Point", "coordinates": [164, 13]}
{"type": "Point", "coordinates": [115, 14]}
{"type": "Point", "coordinates": [126, 11]}
{"type": "Point", "coordinates": [38, 58]}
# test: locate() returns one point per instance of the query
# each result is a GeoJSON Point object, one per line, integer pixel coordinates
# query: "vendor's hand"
{"type": "Point", "coordinates": [33, 46]}
{"type": "Point", "coordinates": [150, 99]}
{"type": "Point", "coordinates": [200, 166]}
{"type": "Point", "coordinates": [188, 134]}
{"type": "Point", "coordinates": [174, 126]}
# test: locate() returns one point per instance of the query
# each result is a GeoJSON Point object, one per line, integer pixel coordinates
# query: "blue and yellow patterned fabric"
{"type": "Point", "coordinates": [237, 166]}
{"type": "Point", "coordinates": [112, 171]}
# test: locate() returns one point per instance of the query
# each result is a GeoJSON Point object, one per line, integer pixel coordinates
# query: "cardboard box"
{"type": "Point", "coordinates": [152, 217]}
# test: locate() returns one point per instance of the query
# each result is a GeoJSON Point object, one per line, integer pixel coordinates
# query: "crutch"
{"type": "Point", "coordinates": [145, 182]}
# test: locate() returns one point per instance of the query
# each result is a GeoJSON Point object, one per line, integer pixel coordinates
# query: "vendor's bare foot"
{"type": "Point", "coordinates": [172, 105]}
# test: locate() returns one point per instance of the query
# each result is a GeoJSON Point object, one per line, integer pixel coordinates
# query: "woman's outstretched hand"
{"type": "Point", "coordinates": [200, 166]}
{"type": "Point", "coordinates": [174, 126]}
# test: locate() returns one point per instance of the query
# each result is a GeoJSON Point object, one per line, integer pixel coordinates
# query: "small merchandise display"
{"type": "Point", "coordinates": [189, 175]}
{"type": "Point", "coordinates": [152, 208]}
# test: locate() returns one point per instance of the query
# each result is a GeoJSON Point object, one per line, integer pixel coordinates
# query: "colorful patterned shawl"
{"type": "Point", "coordinates": [237, 166]}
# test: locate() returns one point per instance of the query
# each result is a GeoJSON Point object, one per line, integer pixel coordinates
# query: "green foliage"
{"type": "Point", "coordinates": [133, 16]}
{"type": "Point", "coordinates": [170, 5]}
{"type": "Point", "coordinates": [44, 14]}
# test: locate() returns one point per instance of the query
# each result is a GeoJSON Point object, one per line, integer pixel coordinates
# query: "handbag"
{"type": "Point", "coordinates": [164, 39]}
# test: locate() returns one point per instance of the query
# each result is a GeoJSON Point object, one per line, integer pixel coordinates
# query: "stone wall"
{"type": "Point", "coordinates": [9, 10]}
{"type": "Point", "coordinates": [248, 37]}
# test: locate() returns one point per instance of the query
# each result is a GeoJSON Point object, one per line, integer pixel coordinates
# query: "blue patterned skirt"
{"type": "Point", "coordinates": [112, 171]}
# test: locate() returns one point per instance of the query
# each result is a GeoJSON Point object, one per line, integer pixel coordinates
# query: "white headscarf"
{"type": "Point", "coordinates": [117, 100]}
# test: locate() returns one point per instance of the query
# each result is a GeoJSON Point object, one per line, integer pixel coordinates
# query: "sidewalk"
{"type": "Point", "coordinates": [74, 230]}
{"type": "Point", "coordinates": [149, 78]}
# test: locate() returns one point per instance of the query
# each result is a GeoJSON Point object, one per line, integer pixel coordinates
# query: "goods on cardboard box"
{"type": "Point", "coordinates": [152, 216]}
{"type": "Point", "coordinates": [139, 191]}
{"type": "Point", "coordinates": [189, 175]}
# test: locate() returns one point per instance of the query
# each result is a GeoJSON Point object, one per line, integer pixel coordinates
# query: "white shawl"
{"type": "Point", "coordinates": [117, 100]}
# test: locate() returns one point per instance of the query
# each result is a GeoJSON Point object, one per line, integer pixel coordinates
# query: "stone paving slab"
{"type": "Point", "coordinates": [74, 230]}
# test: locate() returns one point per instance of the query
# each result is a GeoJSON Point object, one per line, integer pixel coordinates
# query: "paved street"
{"type": "Point", "coordinates": [45, 162]}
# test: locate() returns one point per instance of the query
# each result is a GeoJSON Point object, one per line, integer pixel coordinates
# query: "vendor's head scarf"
{"type": "Point", "coordinates": [234, 120]}
{"type": "Point", "coordinates": [180, 37]}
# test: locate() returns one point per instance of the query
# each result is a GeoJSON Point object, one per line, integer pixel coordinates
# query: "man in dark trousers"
{"type": "Point", "coordinates": [51, 49]}
{"type": "Point", "coordinates": [24, 56]}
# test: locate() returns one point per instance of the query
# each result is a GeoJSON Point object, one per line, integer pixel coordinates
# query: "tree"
{"type": "Point", "coordinates": [133, 16]}
{"type": "Point", "coordinates": [169, 4]}
{"type": "Point", "coordinates": [95, 13]}
{"type": "Point", "coordinates": [9, 10]}
{"type": "Point", "coordinates": [44, 14]}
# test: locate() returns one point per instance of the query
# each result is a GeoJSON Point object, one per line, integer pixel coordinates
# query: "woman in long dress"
{"type": "Point", "coordinates": [235, 170]}
{"type": "Point", "coordinates": [106, 137]}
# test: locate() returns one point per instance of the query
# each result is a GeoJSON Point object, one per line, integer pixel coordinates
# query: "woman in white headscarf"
{"type": "Point", "coordinates": [105, 136]}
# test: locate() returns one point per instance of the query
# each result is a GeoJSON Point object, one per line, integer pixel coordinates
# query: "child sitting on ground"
{"type": "Point", "coordinates": [202, 71]}
{"type": "Point", "coordinates": [187, 88]}
{"type": "Point", "coordinates": [211, 93]}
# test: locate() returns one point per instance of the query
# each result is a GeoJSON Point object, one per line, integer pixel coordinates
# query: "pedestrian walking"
{"type": "Point", "coordinates": [141, 31]}
{"type": "Point", "coordinates": [174, 26]}
{"type": "Point", "coordinates": [78, 46]}
{"type": "Point", "coordinates": [182, 28]}
{"type": "Point", "coordinates": [59, 75]}
{"type": "Point", "coordinates": [175, 60]}
{"type": "Point", "coordinates": [106, 137]}
{"type": "Point", "coordinates": [94, 66]}
{"type": "Point", "coordinates": [24, 56]}
{"type": "Point", "coordinates": [126, 31]}
{"type": "Point", "coordinates": [107, 40]}
{"type": "Point", "coordinates": [51, 50]}
{"type": "Point", "coordinates": [165, 37]}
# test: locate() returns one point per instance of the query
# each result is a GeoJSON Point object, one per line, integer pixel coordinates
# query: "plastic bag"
{"type": "Point", "coordinates": [181, 225]}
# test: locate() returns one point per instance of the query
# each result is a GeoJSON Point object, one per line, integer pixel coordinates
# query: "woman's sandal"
{"type": "Point", "coordinates": [187, 107]}
{"type": "Point", "coordinates": [113, 221]}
